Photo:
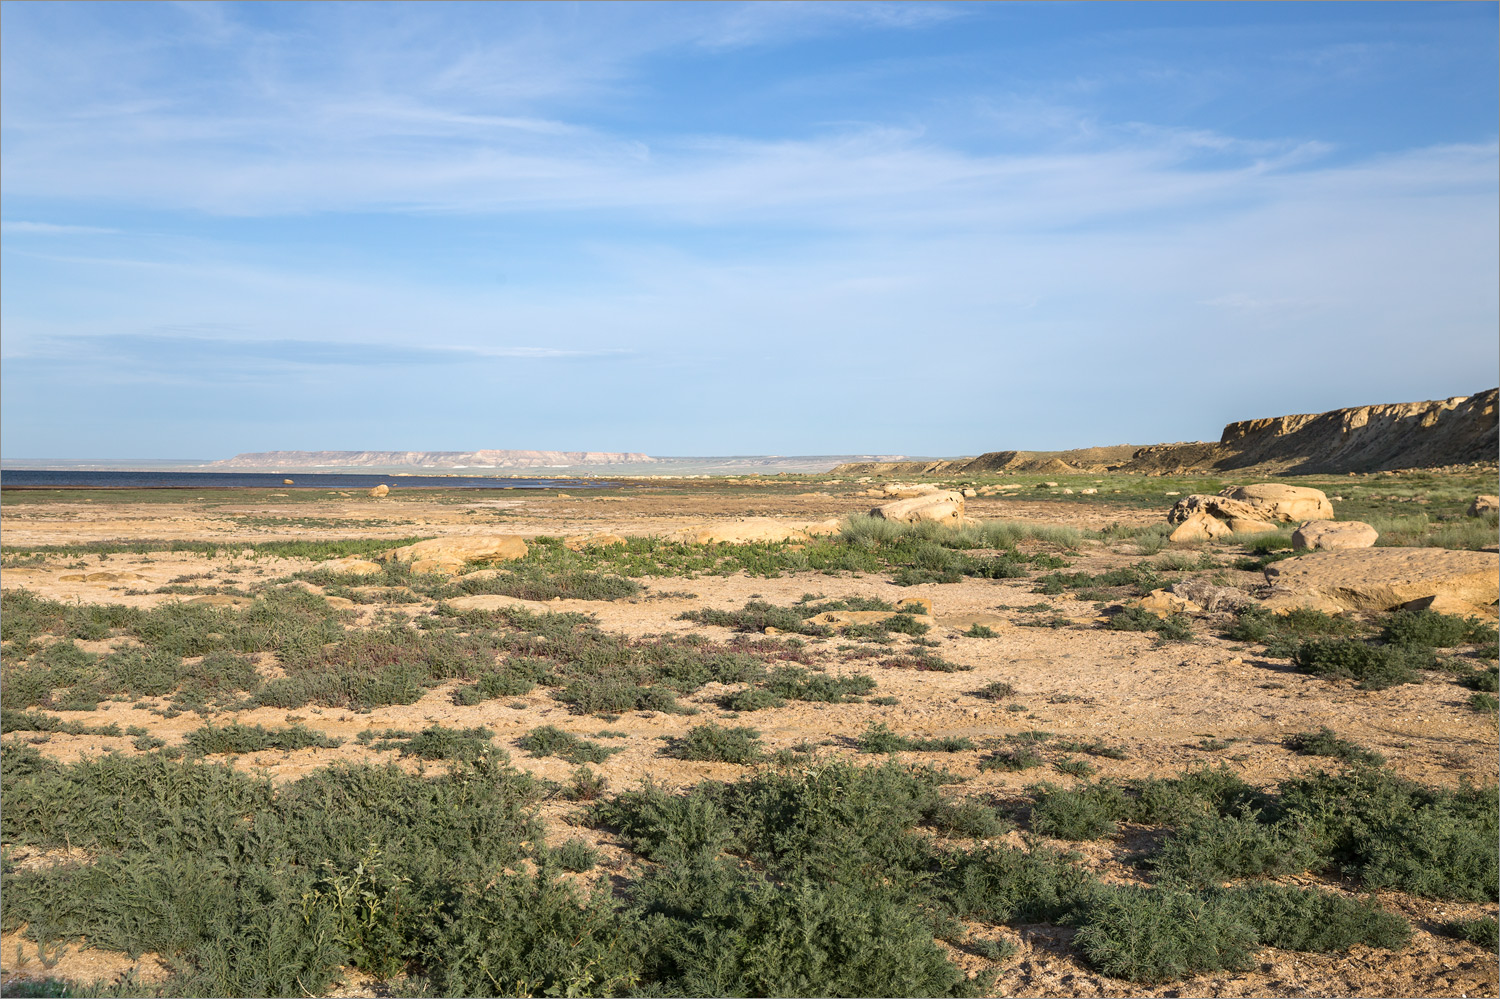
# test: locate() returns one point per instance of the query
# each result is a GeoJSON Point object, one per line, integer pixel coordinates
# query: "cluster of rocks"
{"type": "Point", "coordinates": [1246, 510]}
{"type": "Point", "coordinates": [921, 502]}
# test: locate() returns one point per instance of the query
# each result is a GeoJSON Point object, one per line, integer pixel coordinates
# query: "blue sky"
{"type": "Point", "coordinates": [735, 229]}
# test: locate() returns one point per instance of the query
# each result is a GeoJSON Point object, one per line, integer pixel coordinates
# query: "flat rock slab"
{"type": "Point", "coordinates": [462, 549]}
{"type": "Point", "coordinates": [1380, 579]}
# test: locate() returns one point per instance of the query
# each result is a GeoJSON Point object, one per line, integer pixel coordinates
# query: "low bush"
{"type": "Point", "coordinates": [1176, 627]}
{"type": "Point", "coordinates": [549, 740]}
{"type": "Point", "coordinates": [237, 738]}
{"type": "Point", "coordinates": [1325, 743]}
{"type": "Point", "coordinates": [718, 743]}
{"type": "Point", "coordinates": [1481, 931]}
{"type": "Point", "coordinates": [1375, 667]}
{"type": "Point", "coordinates": [879, 738]}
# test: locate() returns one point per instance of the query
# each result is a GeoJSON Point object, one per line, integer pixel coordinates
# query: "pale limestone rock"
{"type": "Point", "coordinates": [1328, 535]}
{"type": "Point", "coordinates": [461, 549]}
{"type": "Point", "coordinates": [1200, 527]}
{"type": "Point", "coordinates": [1380, 579]}
{"type": "Point", "coordinates": [943, 507]}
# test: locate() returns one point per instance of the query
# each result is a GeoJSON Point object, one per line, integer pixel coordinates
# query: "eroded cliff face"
{"type": "Point", "coordinates": [1462, 430]}
{"type": "Point", "coordinates": [1455, 431]}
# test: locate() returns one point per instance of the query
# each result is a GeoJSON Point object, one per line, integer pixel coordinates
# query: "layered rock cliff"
{"type": "Point", "coordinates": [1462, 430]}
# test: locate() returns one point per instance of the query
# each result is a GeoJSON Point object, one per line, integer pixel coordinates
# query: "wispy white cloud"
{"type": "Point", "coordinates": [22, 228]}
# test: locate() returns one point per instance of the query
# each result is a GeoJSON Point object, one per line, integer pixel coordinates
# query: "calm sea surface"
{"type": "Point", "coordinates": [13, 477]}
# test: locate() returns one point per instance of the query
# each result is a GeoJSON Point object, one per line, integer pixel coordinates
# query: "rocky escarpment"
{"type": "Point", "coordinates": [483, 459]}
{"type": "Point", "coordinates": [1455, 431]}
{"type": "Point", "coordinates": [1461, 430]}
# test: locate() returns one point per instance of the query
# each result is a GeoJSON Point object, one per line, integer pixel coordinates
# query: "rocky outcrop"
{"type": "Point", "coordinates": [1453, 431]}
{"type": "Point", "coordinates": [942, 507]}
{"type": "Point", "coordinates": [1252, 509]}
{"type": "Point", "coordinates": [450, 555]}
{"type": "Point", "coordinates": [1330, 535]}
{"type": "Point", "coordinates": [1460, 430]}
{"type": "Point", "coordinates": [1382, 579]}
{"type": "Point", "coordinates": [1483, 505]}
{"type": "Point", "coordinates": [377, 492]}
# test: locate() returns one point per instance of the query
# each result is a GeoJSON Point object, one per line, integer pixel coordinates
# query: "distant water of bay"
{"type": "Point", "coordinates": [90, 479]}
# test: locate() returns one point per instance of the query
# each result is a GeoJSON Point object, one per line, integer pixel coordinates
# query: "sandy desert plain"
{"type": "Point", "coordinates": [629, 762]}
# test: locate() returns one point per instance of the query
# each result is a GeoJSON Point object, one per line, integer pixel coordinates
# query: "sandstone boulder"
{"type": "Point", "coordinates": [459, 550]}
{"type": "Point", "coordinates": [1239, 525]}
{"type": "Point", "coordinates": [351, 566]}
{"type": "Point", "coordinates": [1219, 507]}
{"type": "Point", "coordinates": [288, 482]}
{"type": "Point", "coordinates": [492, 602]}
{"type": "Point", "coordinates": [100, 577]}
{"type": "Point", "coordinates": [1381, 579]}
{"type": "Point", "coordinates": [1200, 527]}
{"type": "Point", "coordinates": [946, 507]}
{"type": "Point", "coordinates": [380, 490]}
{"type": "Point", "coordinates": [907, 490]}
{"type": "Point", "coordinates": [1327, 535]}
{"type": "Point", "coordinates": [1166, 602]}
{"type": "Point", "coordinates": [1483, 505]}
{"type": "Point", "coordinates": [1283, 503]}
{"type": "Point", "coordinates": [970, 493]}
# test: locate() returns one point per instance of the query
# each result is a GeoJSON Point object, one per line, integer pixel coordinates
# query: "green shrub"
{"type": "Point", "coordinates": [797, 684]}
{"type": "Point", "coordinates": [437, 742]}
{"type": "Point", "coordinates": [1481, 931]}
{"type": "Point", "coordinates": [1020, 758]}
{"type": "Point", "coordinates": [720, 743]}
{"type": "Point", "coordinates": [1075, 768]}
{"type": "Point", "coordinates": [237, 738]}
{"type": "Point", "coordinates": [1308, 919]}
{"type": "Point", "coordinates": [1375, 667]}
{"type": "Point", "coordinates": [752, 699]}
{"type": "Point", "coordinates": [1176, 627]}
{"type": "Point", "coordinates": [995, 691]}
{"type": "Point", "coordinates": [980, 631]}
{"type": "Point", "coordinates": [1325, 743]}
{"type": "Point", "coordinates": [549, 740]}
{"type": "Point", "coordinates": [1392, 834]}
{"type": "Point", "coordinates": [1427, 629]}
{"type": "Point", "coordinates": [1212, 849]}
{"type": "Point", "coordinates": [1486, 704]}
{"type": "Point", "coordinates": [1484, 680]}
{"type": "Point", "coordinates": [1161, 934]}
{"type": "Point", "coordinates": [879, 738]}
{"type": "Point", "coordinates": [577, 856]}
